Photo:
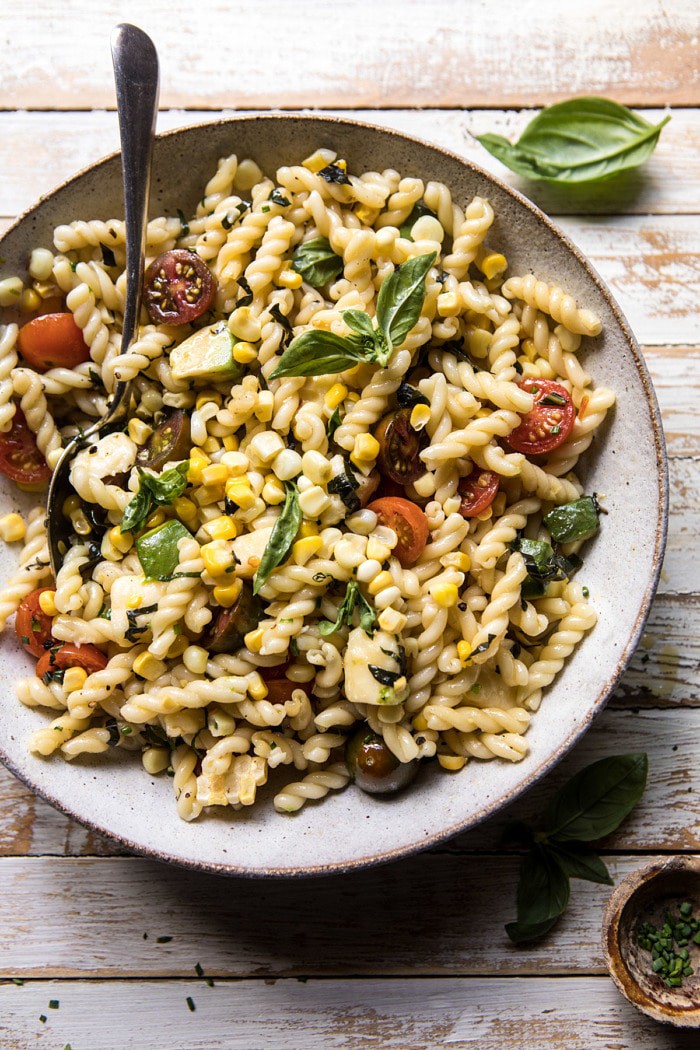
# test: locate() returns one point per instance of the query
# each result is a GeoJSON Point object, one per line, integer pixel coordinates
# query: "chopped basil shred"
{"type": "Point", "coordinates": [316, 261]}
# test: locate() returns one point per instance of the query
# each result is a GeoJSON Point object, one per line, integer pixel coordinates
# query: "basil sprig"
{"type": "Point", "coordinates": [582, 140]}
{"type": "Point", "coordinates": [282, 537]}
{"type": "Point", "coordinates": [399, 303]}
{"type": "Point", "coordinates": [154, 490]}
{"type": "Point", "coordinates": [316, 261]}
{"type": "Point", "coordinates": [354, 599]}
{"type": "Point", "coordinates": [590, 806]}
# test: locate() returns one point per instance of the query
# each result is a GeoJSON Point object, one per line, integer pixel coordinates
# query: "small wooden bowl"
{"type": "Point", "coordinates": [644, 896]}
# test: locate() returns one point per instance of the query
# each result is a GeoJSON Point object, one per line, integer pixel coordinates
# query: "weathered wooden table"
{"type": "Point", "coordinates": [411, 955]}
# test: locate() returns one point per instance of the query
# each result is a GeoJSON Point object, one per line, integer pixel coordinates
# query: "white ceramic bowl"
{"type": "Point", "coordinates": [113, 795]}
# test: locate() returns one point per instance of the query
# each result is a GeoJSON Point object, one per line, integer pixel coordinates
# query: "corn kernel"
{"type": "Point", "coordinates": [314, 501]}
{"type": "Point", "coordinates": [29, 301]}
{"type": "Point", "coordinates": [420, 723]}
{"type": "Point", "coordinates": [198, 461]}
{"type": "Point", "coordinates": [319, 160]}
{"type": "Point", "coordinates": [273, 491]}
{"type": "Point", "coordinates": [420, 415]}
{"type": "Point", "coordinates": [464, 652]}
{"type": "Point", "coordinates": [336, 395]}
{"type": "Point", "coordinates": [215, 474]}
{"type": "Point", "coordinates": [485, 514]}
{"type": "Point", "coordinates": [133, 602]}
{"type": "Point", "coordinates": [244, 325]}
{"type": "Point", "coordinates": [221, 528]}
{"type": "Point", "coordinates": [139, 431]}
{"type": "Point", "coordinates": [123, 541]}
{"type": "Point", "coordinates": [253, 640]}
{"type": "Point", "coordinates": [376, 550]}
{"type": "Point", "coordinates": [392, 620]}
{"type": "Point", "coordinates": [456, 560]}
{"type": "Point", "coordinates": [10, 291]}
{"type": "Point", "coordinates": [448, 304]}
{"type": "Point", "coordinates": [12, 528]}
{"type": "Point", "coordinates": [287, 464]}
{"type": "Point", "coordinates": [155, 519]}
{"type": "Point", "coordinates": [445, 594]}
{"type": "Point", "coordinates": [244, 353]}
{"type": "Point", "coordinates": [155, 759]}
{"type": "Point", "coordinates": [74, 678]}
{"type": "Point", "coordinates": [257, 690]}
{"type": "Point", "coordinates": [228, 594]}
{"type": "Point", "coordinates": [303, 550]}
{"type": "Point", "coordinates": [208, 397]}
{"type": "Point", "coordinates": [265, 406]}
{"type": "Point", "coordinates": [366, 214]}
{"type": "Point", "coordinates": [238, 490]}
{"type": "Point", "coordinates": [289, 279]}
{"type": "Point", "coordinates": [147, 666]}
{"type": "Point", "coordinates": [366, 449]}
{"type": "Point", "coordinates": [195, 659]}
{"type": "Point", "coordinates": [217, 557]}
{"type": "Point", "coordinates": [478, 341]}
{"type": "Point", "coordinates": [380, 581]}
{"type": "Point", "coordinates": [47, 602]}
{"type": "Point", "coordinates": [452, 762]}
{"type": "Point", "coordinates": [177, 647]}
{"type": "Point", "coordinates": [41, 263]}
{"type": "Point", "coordinates": [492, 264]}
{"type": "Point", "coordinates": [529, 349]}
{"type": "Point", "coordinates": [70, 504]}
{"type": "Point", "coordinates": [185, 509]}
{"type": "Point", "coordinates": [230, 443]}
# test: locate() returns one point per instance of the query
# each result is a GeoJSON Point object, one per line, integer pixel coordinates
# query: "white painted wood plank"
{"type": "Point", "coordinates": [406, 53]}
{"type": "Point", "coordinates": [585, 1013]}
{"type": "Point", "coordinates": [681, 568]}
{"type": "Point", "coordinates": [42, 148]}
{"type": "Point", "coordinates": [676, 375]}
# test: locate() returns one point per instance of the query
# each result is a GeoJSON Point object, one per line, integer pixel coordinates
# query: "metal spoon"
{"type": "Point", "coordinates": [136, 78]}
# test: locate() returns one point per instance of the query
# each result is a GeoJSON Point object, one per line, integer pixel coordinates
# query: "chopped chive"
{"type": "Point", "coordinates": [163, 940]}
{"type": "Point", "coordinates": [190, 1004]}
{"type": "Point", "coordinates": [53, 1004]}
{"type": "Point", "coordinates": [18, 981]}
{"type": "Point", "coordinates": [198, 970]}
{"type": "Point", "coordinates": [42, 1018]}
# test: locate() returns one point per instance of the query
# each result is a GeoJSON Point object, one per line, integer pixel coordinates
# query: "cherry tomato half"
{"type": "Point", "coordinates": [20, 459]}
{"type": "Point", "coordinates": [478, 492]}
{"type": "Point", "coordinates": [52, 341]}
{"type": "Point", "coordinates": [400, 447]}
{"type": "Point", "coordinates": [32, 625]}
{"type": "Point", "coordinates": [89, 657]}
{"type": "Point", "coordinates": [178, 287]}
{"type": "Point", "coordinates": [169, 442]}
{"type": "Point", "coordinates": [279, 690]}
{"type": "Point", "coordinates": [408, 522]}
{"type": "Point", "coordinates": [548, 423]}
{"type": "Point", "coordinates": [372, 765]}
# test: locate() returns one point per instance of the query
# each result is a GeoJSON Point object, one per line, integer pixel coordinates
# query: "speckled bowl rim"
{"type": "Point", "coordinates": [605, 691]}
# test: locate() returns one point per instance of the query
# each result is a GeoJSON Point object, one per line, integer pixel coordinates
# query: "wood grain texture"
{"type": "Point", "coordinates": [407, 53]}
{"type": "Point", "coordinates": [581, 1013]}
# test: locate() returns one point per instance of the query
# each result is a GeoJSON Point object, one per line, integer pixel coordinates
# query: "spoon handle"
{"type": "Point", "coordinates": [136, 79]}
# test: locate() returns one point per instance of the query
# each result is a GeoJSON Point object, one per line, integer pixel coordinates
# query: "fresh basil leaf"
{"type": "Point", "coordinates": [157, 551]}
{"type": "Point", "coordinates": [354, 598]}
{"type": "Point", "coordinates": [277, 197]}
{"type": "Point", "coordinates": [360, 322]}
{"type": "Point", "coordinates": [276, 312]}
{"type": "Point", "coordinates": [581, 862]}
{"type": "Point", "coordinates": [574, 521]}
{"type": "Point", "coordinates": [401, 297]}
{"type": "Point", "coordinates": [184, 225]}
{"type": "Point", "coordinates": [595, 801]}
{"type": "Point", "coordinates": [281, 538]}
{"type": "Point", "coordinates": [420, 208]}
{"type": "Point", "coordinates": [137, 510]}
{"type": "Point", "coordinates": [543, 894]}
{"type": "Point", "coordinates": [407, 396]}
{"type": "Point", "coordinates": [317, 353]}
{"type": "Point", "coordinates": [383, 676]}
{"type": "Point", "coordinates": [344, 485]}
{"type": "Point", "coordinates": [316, 261]}
{"type": "Point", "coordinates": [333, 423]}
{"type": "Point", "coordinates": [520, 932]}
{"type": "Point", "coordinates": [334, 173]}
{"type": "Point", "coordinates": [582, 140]}
{"type": "Point", "coordinates": [154, 489]}
{"type": "Point", "coordinates": [368, 617]}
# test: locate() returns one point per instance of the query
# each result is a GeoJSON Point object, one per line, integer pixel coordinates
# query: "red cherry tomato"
{"type": "Point", "coordinates": [178, 287]}
{"type": "Point", "coordinates": [279, 690]}
{"type": "Point", "coordinates": [52, 341]}
{"type": "Point", "coordinates": [32, 625]}
{"type": "Point", "coordinates": [275, 673]}
{"type": "Point", "coordinates": [548, 423]}
{"type": "Point", "coordinates": [408, 522]}
{"type": "Point", "coordinates": [20, 459]}
{"type": "Point", "coordinates": [89, 657]}
{"type": "Point", "coordinates": [478, 492]}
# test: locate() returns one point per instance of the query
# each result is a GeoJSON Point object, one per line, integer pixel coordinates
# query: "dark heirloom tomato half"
{"type": "Point", "coordinates": [548, 423]}
{"type": "Point", "coordinates": [20, 459]}
{"type": "Point", "coordinates": [89, 657]}
{"type": "Point", "coordinates": [478, 491]}
{"type": "Point", "coordinates": [374, 767]}
{"type": "Point", "coordinates": [408, 522]}
{"type": "Point", "coordinates": [52, 341]}
{"type": "Point", "coordinates": [400, 447]}
{"type": "Point", "coordinates": [168, 442]}
{"type": "Point", "coordinates": [178, 287]}
{"type": "Point", "coordinates": [32, 624]}
{"type": "Point", "coordinates": [230, 626]}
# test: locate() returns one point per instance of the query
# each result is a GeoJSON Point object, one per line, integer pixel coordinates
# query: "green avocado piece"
{"type": "Point", "coordinates": [208, 354]}
{"type": "Point", "coordinates": [157, 550]}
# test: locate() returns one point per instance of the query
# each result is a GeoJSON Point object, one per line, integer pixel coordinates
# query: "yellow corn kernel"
{"type": "Point", "coordinates": [139, 431]}
{"type": "Point", "coordinates": [198, 461]}
{"type": "Point", "coordinates": [217, 557]}
{"type": "Point", "coordinates": [12, 528]}
{"type": "Point", "coordinates": [448, 304]}
{"type": "Point", "coordinates": [273, 491]}
{"type": "Point", "coordinates": [185, 509]}
{"type": "Point", "coordinates": [253, 640]}
{"type": "Point", "coordinates": [29, 301]}
{"type": "Point", "coordinates": [227, 594]}
{"type": "Point", "coordinates": [485, 514]}
{"type": "Point", "coordinates": [244, 353]}
{"type": "Point", "coordinates": [478, 341]}
{"type": "Point", "coordinates": [307, 528]}
{"type": "Point", "coordinates": [211, 445]}
{"type": "Point", "coordinates": [289, 279]}
{"type": "Point", "coordinates": [239, 492]}
{"type": "Point", "coordinates": [492, 264]}
{"type": "Point", "coordinates": [230, 443]}
{"type": "Point", "coordinates": [420, 415]}
{"type": "Point", "coordinates": [366, 214]}
{"type": "Point", "coordinates": [336, 395]}
{"type": "Point", "coordinates": [303, 550]}
{"type": "Point", "coordinates": [47, 603]}
{"type": "Point", "coordinates": [452, 762]}
{"type": "Point", "coordinates": [464, 652]}
{"type": "Point", "coordinates": [265, 406]}
{"type": "Point", "coordinates": [420, 723]}
{"type": "Point", "coordinates": [206, 397]}
{"type": "Point", "coordinates": [155, 759]}
{"type": "Point", "coordinates": [392, 620]}
{"type": "Point", "coordinates": [529, 349]}
{"type": "Point", "coordinates": [366, 449]}
{"type": "Point", "coordinates": [318, 160]}
{"type": "Point", "coordinates": [380, 581]}
{"type": "Point", "coordinates": [177, 647]}
{"type": "Point", "coordinates": [147, 666]}
{"type": "Point", "coordinates": [70, 504]}
{"type": "Point", "coordinates": [133, 602]}
{"type": "Point", "coordinates": [215, 474]}
{"type": "Point", "coordinates": [74, 678]}
{"type": "Point", "coordinates": [456, 560]}
{"type": "Point", "coordinates": [376, 550]}
{"type": "Point", "coordinates": [195, 659]}
{"type": "Point", "coordinates": [123, 541]}
{"type": "Point", "coordinates": [353, 396]}
{"type": "Point", "coordinates": [221, 528]}
{"type": "Point", "coordinates": [445, 594]}
{"type": "Point", "coordinates": [257, 690]}
{"type": "Point", "coordinates": [155, 519]}
{"type": "Point", "coordinates": [80, 523]}
{"type": "Point", "coordinates": [244, 325]}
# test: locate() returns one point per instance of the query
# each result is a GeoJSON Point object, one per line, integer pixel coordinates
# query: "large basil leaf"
{"type": "Point", "coordinates": [574, 521]}
{"type": "Point", "coordinates": [543, 894]}
{"type": "Point", "coordinates": [154, 489]}
{"type": "Point", "coordinates": [401, 297]}
{"type": "Point", "coordinates": [316, 261]}
{"type": "Point", "coordinates": [595, 801]}
{"type": "Point", "coordinates": [281, 538]}
{"type": "Point", "coordinates": [580, 862]}
{"type": "Point", "coordinates": [582, 140]}
{"type": "Point", "coordinates": [318, 353]}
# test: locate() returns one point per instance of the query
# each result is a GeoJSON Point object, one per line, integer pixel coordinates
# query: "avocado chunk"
{"type": "Point", "coordinates": [208, 354]}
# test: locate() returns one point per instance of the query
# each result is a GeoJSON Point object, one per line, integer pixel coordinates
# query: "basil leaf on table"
{"type": "Point", "coordinates": [582, 140]}
{"type": "Point", "coordinates": [316, 261]}
{"type": "Point", "coordinates": [597, 800]}
{"type": "Point", "coordinates": [154, 489]}
{"type": "Point", "coordinates": [580, 862]}
{"type": "Point", "coordinates": [401, 297]}
{"type": "Point", "coordinates": [282, 537]}
{"type": "Point", "coordinates": [543, 894]}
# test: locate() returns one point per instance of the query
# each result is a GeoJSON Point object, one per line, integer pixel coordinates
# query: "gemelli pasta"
{"type": "Point", "coordinates": [339, 537]}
